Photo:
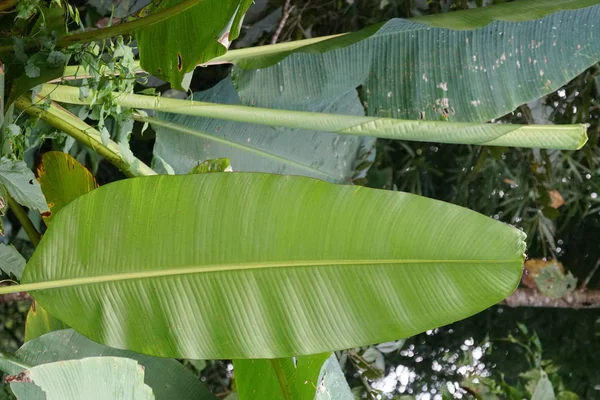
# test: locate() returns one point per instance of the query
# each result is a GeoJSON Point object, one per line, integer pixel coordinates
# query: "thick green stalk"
{"type": "Point", "coordinates": [21, 214]}
{"type": "Point", "coordinates": [65, 121]}
{"type": "Point", "coordinates": [568, 137]}
{"type": "Point", "coordinates": [285, 387]}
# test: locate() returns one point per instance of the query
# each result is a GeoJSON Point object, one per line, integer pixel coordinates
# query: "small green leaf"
{"type": "Point", "coordinates": [32, 70]}
{"type": "Point", "coordinates": [216, 165]}
{"type": "Point", "coordinates": [553, 282]}
{"type": "Point", "coordinates": [11, 261]}
{"type": "Point", "coordinates": [21, 184]}
{"type": "Point", "coordinates": [56, 58]}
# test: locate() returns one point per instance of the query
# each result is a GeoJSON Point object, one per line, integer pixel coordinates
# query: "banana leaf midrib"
{"type": "Point", "coordinates": [53, 284]}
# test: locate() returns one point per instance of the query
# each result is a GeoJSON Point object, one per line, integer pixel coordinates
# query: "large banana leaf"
{"type": "Point", "coordinates": [182, 141]}
{"type": "Point", "coordinates": [248, 265]}
{"type": "Point", "coordinates": [168, 378]}
{"type": "Point", "coordinates": [411, 70]}
{"type": "Point", "coordinates": [516, 11]}
{"type": "Point", "coordinates": [171, 48]}
{"type": "Point", "coordinates": [547, 136]}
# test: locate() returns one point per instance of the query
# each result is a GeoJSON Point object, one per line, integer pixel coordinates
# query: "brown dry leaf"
{"type": "Point", "coordinates": [556, 199]}
{"type": "Point", "coordinates": [534, 266]}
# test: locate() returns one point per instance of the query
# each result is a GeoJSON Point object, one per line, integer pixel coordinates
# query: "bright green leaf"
{"type": "Point", "coordinates": [168, 378]}
{"type": "Point", "coordinates": [188, 38]}
{"type": "Point", "coordinates": [21, 184]}
{"type": "Point", "coordinates": [249, 265]}
{"type": "Point", "coordinates": [411, 70]}
{"type": "Point", "coordinates": [279, 379]}
{"type": "Point", "coordinates": [11, 261]}
{"type": "Point", "coordinates": [94, 378]}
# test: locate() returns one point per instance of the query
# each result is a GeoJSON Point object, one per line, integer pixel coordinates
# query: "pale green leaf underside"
{"type": "Point", "coordinates": [183, 141]}
{"type": "Point", "coordinates": [516, 11]}
{"type": "Point", "coordinates": [248, 265]}
{"type": "Point", "coordinates": [411, 70]}
{"type": "Point", "coordinates": [544, 389]}
{"type": "Point", "coordinates": [168, 378]}
{"type": "Point", "coordinates": [94, 378]}
{"type": "Point", "coordinates": [21, 184]}
{"type": "Point", "coordinates": [332, 382]}
{"type": "Point", "coordinates": [545, 136]}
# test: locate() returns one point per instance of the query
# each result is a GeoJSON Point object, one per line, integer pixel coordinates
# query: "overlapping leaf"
{"type": "Point", "coordinates": [183, 141]}
{"type": "Point", "coordinates": [411, 70]}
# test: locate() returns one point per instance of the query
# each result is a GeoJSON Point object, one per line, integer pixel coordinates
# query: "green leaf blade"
{"type": "Point", "coordinates": [265, 266]}
{"type": "Point", "coordinates": [188, 38]}
{"type": "Point", "coordinates": [410, 70]}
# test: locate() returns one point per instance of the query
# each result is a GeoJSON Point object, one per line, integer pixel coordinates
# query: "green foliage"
{"type": "Point", "coordinates": [461, 277]}
{"type": "Point", "coordinates": [493, 69]}
{"type": "Point", "coordinates": [245, 265]}
{"type": "Point", "coordinates": [17, 180]}
{"type": "Point", "coordinates": [202, 32]}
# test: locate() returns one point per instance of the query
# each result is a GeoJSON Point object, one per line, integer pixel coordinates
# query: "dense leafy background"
{"type": "Point", "coordinates": [510, 185]}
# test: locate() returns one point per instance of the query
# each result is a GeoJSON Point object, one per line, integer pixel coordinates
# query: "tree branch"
{"type": "Point", "coordinates": [578, 299]}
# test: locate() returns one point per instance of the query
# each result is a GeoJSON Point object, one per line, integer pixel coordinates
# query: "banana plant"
{"type": "Point", "coordinates": [282, 261]}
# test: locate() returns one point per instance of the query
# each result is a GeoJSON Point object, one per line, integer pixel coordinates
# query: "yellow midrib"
{"type": "Point", "coordinates": [223, 267]}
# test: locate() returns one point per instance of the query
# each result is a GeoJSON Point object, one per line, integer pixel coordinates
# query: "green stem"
{"type": "Point", "coordinates": [63, 120]}
{"type": "Point", "coordinates": [26, 223]}
{"type": "Point", "coordinates": [568, 137]}
{"type": "Point", "coordinates": [285, 387]}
